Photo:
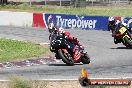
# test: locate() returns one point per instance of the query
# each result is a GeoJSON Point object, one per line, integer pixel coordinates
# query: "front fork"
{"type": "Point", "coordinates": [64, 50]}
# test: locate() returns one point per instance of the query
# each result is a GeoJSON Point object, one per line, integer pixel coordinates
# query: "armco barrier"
{"type": "Point", "coordinates": [8, 18]}
{"type": "Point", "coordinates": [77, 21]}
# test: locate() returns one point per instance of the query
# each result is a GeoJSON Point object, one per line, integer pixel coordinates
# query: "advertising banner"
{"type": "Point", "coordinates": [77, 21]}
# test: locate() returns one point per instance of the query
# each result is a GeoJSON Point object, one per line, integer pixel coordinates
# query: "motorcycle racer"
{"type": "Point", "coordinates": [72, 41]}
{"type": "Point", "coordinates": [127, 21]}
{"type": "Point", "coordinates": [114, 25]}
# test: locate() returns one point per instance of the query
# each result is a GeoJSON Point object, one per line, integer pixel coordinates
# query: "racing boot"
{"type": "Point", "coordinates": [117, 40]}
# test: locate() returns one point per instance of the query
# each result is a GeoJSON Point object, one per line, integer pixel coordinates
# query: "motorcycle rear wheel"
{"type": "Point", "coordinates": [128, 42]}
{"type": "Point", "coordinates": [85, 59]}
{"type": "Point", "coordinates": [66, 58]}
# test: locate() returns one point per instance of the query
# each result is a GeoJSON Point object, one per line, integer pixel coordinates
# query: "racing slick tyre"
{"type": "Point", "coordinates": [85, 59]}
{"type": "Point", "coordinates": [128, 42]}
{"type": "Point", "coordinates": [125, 44]}
{"type": "Point", "coordinates": [66, 58]}
{"type": "Point", "coordinates": [57, 56]}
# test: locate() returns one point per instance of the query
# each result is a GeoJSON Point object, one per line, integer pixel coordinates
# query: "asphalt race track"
{"type": "Point", "coordinates": [107, 59]}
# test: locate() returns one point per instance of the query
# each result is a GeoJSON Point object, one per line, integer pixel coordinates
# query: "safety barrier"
{"type": "Point", "coordinates": [8, 18]}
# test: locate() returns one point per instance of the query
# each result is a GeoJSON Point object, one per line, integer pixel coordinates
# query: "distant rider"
{"type": "Point", "coordinates": [114, 25]}
{"type": "Point", "coordinates": [127, 21]}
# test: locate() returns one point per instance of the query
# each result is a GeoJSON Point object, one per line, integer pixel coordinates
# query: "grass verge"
{"type": "Point", "coordinates": [17, 82]}
{"type": "Point", "coordinates": [17, 50]}
{"type": "Point", "coordinates": [95, 11]}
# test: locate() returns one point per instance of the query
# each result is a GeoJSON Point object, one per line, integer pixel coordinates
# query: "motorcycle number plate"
{"type": "Point", "coordinates": [122, 30]}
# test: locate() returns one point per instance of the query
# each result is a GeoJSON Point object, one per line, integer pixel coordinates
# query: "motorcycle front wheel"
{"type": "Point", "coordinates": [85, 59]}
{"type": "Point", "coordinates": [128, 42]}
{"type": "Point", "coordinates": [66, 57]}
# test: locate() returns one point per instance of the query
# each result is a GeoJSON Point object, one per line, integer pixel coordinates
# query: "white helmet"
{"type": "Point", "coordinates": [51, 26]}
{"type": "Point", "coordinates": [111, 19]}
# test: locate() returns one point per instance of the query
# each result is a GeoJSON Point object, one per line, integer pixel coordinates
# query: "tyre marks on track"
{"type": "Point", "coordinates": [28, 62]}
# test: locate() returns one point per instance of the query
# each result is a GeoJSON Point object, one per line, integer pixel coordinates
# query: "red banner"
{"type": "Point", "coordinates": [38, 20]}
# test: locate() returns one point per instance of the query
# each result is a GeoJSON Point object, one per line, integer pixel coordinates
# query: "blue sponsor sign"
{"type": "Point", "coordinates": [77, 21]}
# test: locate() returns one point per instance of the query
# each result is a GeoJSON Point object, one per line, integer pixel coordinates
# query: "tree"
{"type": "Point", "coordinates": [2, 2]}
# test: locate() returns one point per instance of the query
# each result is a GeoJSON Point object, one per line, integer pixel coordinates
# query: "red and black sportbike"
{"type": "Point", "coordinates": [61, 47]}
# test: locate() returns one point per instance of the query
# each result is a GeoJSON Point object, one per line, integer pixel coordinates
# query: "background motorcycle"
{"type": "Point", "coordinates": [60, 46]}
{"type": "Point", "coordinates": [124, 36]}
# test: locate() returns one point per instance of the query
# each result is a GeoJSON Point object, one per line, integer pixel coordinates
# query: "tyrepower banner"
{"type": "Point", "coordinates": [77, 21]}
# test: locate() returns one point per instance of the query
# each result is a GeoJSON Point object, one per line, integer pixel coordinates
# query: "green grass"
{"type": "Point", "coordinates": [17, 50]}
{"type": "Point", "coordinates": [94, 11]}
{"type": "Point", "coordinates": [17, 82]}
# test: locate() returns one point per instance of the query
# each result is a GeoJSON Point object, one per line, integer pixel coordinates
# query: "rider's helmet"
{"type": "Point", "coordinates": [125, 22]}
{"type": "Point", "coordinates": [112, 21]}
{"type": "Point", "coordinates": [51, 27]}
